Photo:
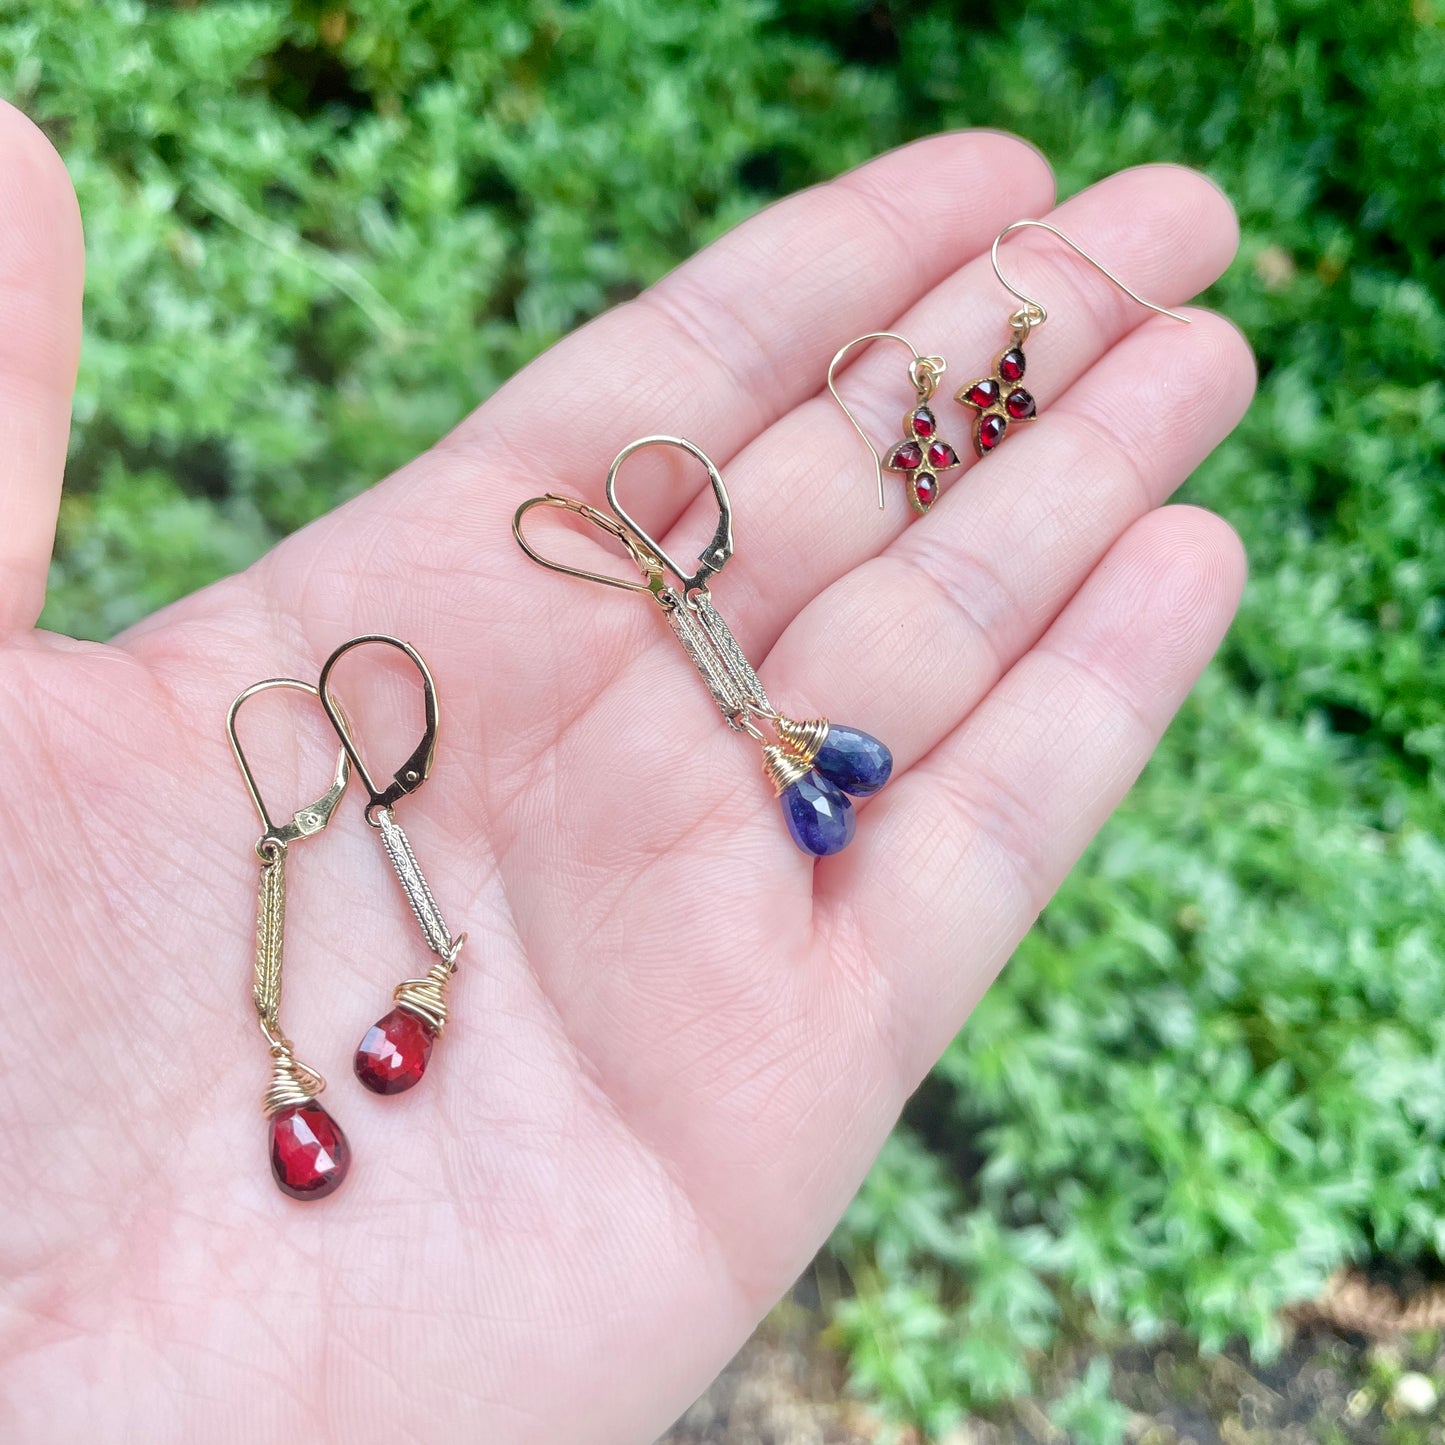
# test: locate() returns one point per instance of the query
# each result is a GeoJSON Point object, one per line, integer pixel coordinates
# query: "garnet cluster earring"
{"type": "Point", "coordinates": [309, 1151]}
{"type": "Point", "coordinates": [998, 401]}
{"type": "Point", "coordinates": [814, 766]}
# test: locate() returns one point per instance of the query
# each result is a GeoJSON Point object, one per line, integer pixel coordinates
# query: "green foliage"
{"type": "Point", "coordinates": [1217, 1069]}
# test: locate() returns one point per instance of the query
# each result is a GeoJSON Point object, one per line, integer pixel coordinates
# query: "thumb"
{"type": "Point", "coordinates": [42, 265]}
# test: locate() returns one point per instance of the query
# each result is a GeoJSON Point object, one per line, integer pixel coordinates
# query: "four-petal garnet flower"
{"type": "Point", "coordinates": [999, 400]}
{"type": "Point", "coordinates": [921, 456]}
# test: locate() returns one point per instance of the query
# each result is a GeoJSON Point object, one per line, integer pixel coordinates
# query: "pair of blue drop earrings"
{"type": "Point", "coordinates": [813, 765]}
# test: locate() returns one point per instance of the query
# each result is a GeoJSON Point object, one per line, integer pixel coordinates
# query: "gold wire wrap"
{"type": "Point", "coordinates": [270, 932]}
{"type": "Point", "coordinates": [427, 997]}
{"type": "Point", "coordinates": [783, 768]}
{"type": "Point", "coordinates": [292, 1082]}
{"type": "Point", "coordinates": [803, 738]}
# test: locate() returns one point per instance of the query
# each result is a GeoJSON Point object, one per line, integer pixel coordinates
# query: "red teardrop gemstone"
{"type": "Point", "coordinates": [924, 422]}
{"type": "Point", "coordinates": [925, 488]}
{"type": "Point", "coordinates": [990, 432]}
{"type": "Point", "coordinates": [1020, 404]}
{"type": "Point", "coordinates": [941, 455]}
{"type": "Point", "coordinates": [309, 1153]}
{"type": "Point", "coordinates": [982, 393]}
{"type": "Point", "coordinates": [1011, 364]}
{"type": "Point", "coordinates": [908, 456]}
{"type": "Point", "coordinates": [393, 1055]}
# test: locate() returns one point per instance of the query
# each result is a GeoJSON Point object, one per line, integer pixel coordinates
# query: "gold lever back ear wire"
{"type": "Point", "coordinates": [309, 1152]}
{"type": "Point", "coordinates": [395, 1051]}
{"type": "Point", "coordinates": [998, 398]}
{"type": "Point", "coordinates": [922, 454]}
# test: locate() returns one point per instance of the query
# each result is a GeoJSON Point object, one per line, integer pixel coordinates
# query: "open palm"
{"type": "Point", "coordinates": [677, 1042]}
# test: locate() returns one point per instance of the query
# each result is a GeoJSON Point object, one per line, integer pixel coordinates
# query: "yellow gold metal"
{"type": "Point", "coordinates": [416, 769]}
{"type": "Point", "coordinates": [308, 820]}
{"type": "Point", "coordinates": [923, 371]}
{"type": "Point", "coordinates": [426, 997]}
{"type": "Point", "coordinates": [647, 562]}
{"type": "Point", "coordinates": [714, 556]}
{"type": "Point", "coordinates": [803, 738]}
{"type": "Point", "coordinates": [783, 768]}
{"type": "Point", "coordinates": [292, 1082]}
{"type": "Point", "coordinates": [1033, 313]}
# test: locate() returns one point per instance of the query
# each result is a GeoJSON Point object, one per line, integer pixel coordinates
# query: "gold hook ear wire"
{"type": "Point", "coordinates": [923, 372]}
{"type": "Point", "coordinates": [1033, 313]}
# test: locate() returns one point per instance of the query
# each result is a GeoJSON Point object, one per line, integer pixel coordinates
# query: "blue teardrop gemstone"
{"type": "Point", "coordinates": [819, 817]}
{"type": "Point", "coordinates": [856, 762]}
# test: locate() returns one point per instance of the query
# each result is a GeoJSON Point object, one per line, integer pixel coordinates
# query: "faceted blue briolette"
{"type": "Point", "coordinates": [819, 817]}
{"type": "Point", "coordinates": [856, 762]}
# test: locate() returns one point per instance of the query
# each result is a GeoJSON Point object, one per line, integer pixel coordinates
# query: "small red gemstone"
{"type": "Point", "coordinates": [907, 456]}
{"type": "Point", "coordinates": [1020, 404]}
{"type": "Point", "coordinates": [925, 488]}
{"type": "Point", "coordinates": [309, 1153]}
{"type": "Point", "coordinates": [982, 393]}
{"type": "Point", "coordinates": [393, 1055]}
{"type": "Point", "coordinates": [924, 422]}
{"type": "Point", "coordinates": [990, 432]}
{"type": "Point", "coordinates": [1011, 364]}
{"type": "Point", "coordinates": [941, 455]}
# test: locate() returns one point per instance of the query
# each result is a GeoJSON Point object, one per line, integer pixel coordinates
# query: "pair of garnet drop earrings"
{"type": "Point", "coordinates": [997, 401]}
{"type": "Point", "coordinates": [309, 1152]}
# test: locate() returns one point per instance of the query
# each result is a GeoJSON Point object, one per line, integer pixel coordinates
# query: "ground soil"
{"type": "Point", "coordinates": [786, 1387]}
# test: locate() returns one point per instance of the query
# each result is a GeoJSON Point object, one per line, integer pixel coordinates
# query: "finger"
{"type": "Point", "coordinates": [807, 475]}
{"type": "Point", "coordinates": [764, 301]}
{"type": "Point", "coordinates": [1168, 231]}
{"type": "Point", "coordinates": [721, 346]}
{"type": "Point", "coordinates": [971, 588]}
{"type": "Point", "coordinates": [971, 843]}
{"type": "Point", "coordinates": [41, 270]}
{"type": "Point", "coordinates": [728, 341]}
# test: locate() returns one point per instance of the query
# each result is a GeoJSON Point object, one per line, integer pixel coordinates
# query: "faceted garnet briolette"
{"type": "Point", "coordinates": [309, 1153]}
{"type": "Point", "coordinates": [393, 1055]}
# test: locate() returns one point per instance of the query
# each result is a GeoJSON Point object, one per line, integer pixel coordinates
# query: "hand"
{"type": "Point", "coordinates": [676, 1043]}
